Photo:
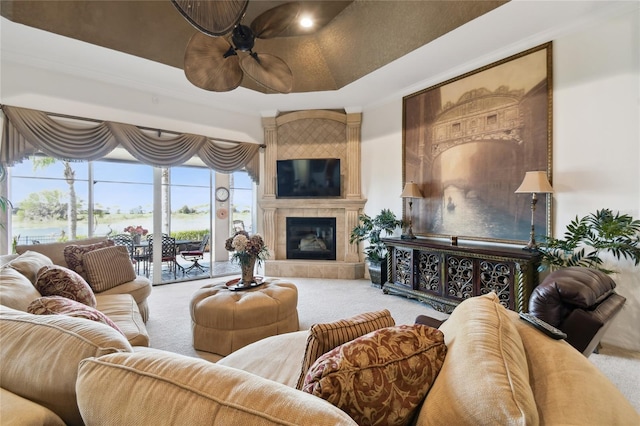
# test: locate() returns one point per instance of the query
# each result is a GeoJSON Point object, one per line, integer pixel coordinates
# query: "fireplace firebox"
{"type": "Point", "coordinates": [311, 238]}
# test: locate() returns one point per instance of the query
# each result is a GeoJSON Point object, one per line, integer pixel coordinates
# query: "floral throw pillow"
{"type": "Point", "coordinates": [382, 377]}
{"type": "Point", "coordinates": [74, 253]}
{"type": "Point", "coordinates": [58, 305]}
{"type": "Point", "coordinates": [325, 336]}
{"type": "Point", "coordinates": [60, 281]}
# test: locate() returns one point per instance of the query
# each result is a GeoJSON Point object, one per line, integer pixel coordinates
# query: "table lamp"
{"type": "Point", "coordinates": [410, 191]}
{"type": "Point", "coordinates": [534, 183]}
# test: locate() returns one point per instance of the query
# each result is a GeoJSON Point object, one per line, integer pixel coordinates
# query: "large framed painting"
{"type": "Point", "coordinates": [468, 143]}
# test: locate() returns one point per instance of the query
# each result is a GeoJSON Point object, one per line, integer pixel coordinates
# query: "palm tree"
{"type": "Point", "coordinates": [70, 178]}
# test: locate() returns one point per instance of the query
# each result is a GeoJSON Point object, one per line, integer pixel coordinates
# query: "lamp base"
{"type": "Point", "coordinates": [409, 234]}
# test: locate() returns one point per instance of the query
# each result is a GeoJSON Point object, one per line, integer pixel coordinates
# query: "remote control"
{"type": "Point", "coordinates": [546, 328]}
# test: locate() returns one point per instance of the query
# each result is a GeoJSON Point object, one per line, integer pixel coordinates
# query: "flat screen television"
{"type": "Point", "coordinates": [308, 178]}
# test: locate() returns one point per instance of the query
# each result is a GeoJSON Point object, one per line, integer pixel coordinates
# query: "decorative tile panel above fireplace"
{"type": "Point", "coordinates": [309, 135]}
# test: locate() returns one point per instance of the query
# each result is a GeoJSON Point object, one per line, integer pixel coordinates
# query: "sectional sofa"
{"type": "Point", "coordinates": [61, 253]}
{"type": "Point", "coordinates": [483, 366]}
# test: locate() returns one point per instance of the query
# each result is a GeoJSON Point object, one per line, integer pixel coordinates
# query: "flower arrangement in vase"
{"type": "Point", "coordinates": [247, 250]}
{"type": "Point", "coordinates": [136, 232]}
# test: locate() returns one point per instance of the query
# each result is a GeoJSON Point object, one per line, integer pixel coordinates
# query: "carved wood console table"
{"type": "Point", "coordinates": [443, 275]}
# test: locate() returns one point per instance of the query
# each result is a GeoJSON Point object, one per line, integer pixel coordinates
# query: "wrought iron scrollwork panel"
{"type": "Point", "coordinates": [429, 272]}
{"type": "Point", "coordinates": [402, 259]}
{"type": "Point", "coordinates": [497, 277]}
{"type": "Point", "coordinates": [459, 277]}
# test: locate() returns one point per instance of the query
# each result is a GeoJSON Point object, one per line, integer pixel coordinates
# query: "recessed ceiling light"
{"type": "Point", "coordinates": [306, 22]}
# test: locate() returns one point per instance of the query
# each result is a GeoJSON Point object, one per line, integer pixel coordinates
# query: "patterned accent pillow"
{"type": "Point", "coordinates": [108, 267]}
{"type": "Point", "coordinates": [59, 281]}
{"type": "Point", "coordinates": [324, 337]}
{"type": "Point", "coordinates": [380, 378]}
{"type": "Point", "coordinates": [58, 305]}
{"type": "Point", "coordinates": [74, 254]}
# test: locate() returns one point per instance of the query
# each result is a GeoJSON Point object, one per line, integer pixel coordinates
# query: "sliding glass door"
{"type": "Point", "coordinates": [187, 203]}
{"type": "Point", "coordinates": [59, 201]}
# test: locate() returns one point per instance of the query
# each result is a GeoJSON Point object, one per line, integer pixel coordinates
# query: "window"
{"type": "Point", "coordinates": [242, 200]}
{"type": "Point", "coordinates": [111, 195]}
{"type": "Point", "coordinates": [123, 196]}
{"type": "Point", "coordinates": [41, 192]}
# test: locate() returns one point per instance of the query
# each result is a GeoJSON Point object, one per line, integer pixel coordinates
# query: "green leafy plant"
{"type": "Point", "coordinates": [370, 228]}
{"type": "Point", "coordinates": [4, 201]}
{"type": "Point", "coordinates": [587, 238]}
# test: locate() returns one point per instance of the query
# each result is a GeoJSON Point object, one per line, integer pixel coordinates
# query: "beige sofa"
{"type": "Point", "coordinates": [139, 288]}
{"type": "Point", "coordinates": [124, 304]}
{"type": "Point", "coordinates": [498, 370]}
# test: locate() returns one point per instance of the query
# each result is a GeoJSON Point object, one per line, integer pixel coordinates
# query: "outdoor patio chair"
{"type": "Point", "coordinates": [195, 255]}
{"type": "Point", "coordinates": [168, 253]}
{"type": "Point", "coordinates": [137, 255]}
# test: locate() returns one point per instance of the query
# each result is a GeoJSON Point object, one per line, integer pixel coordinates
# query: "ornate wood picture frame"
{"type": "Point", "coordinates": [468, 142]}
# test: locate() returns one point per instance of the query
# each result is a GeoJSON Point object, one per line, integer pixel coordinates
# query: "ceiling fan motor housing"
{"type": "Point", "coordinates": [243, 38]}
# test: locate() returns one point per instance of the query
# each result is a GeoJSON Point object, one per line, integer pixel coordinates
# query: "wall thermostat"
{"type": "Point", "coordinates": [222, 213]}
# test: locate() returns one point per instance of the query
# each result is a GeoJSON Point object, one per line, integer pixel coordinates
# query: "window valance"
{"type": "Point", "coordinates": [28, 131]}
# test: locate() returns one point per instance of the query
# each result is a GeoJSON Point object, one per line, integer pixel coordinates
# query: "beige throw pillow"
{"type": "Point", "coordinates": [16, 291]}
{"type": "Point", "coordinates": [108, 267]}
{"type": "Point", "coordinates": [382, 377]}
{"type": "Point", "coordinates": [324, 337]}
{"type": "Point", "coordinates": [29, 263]}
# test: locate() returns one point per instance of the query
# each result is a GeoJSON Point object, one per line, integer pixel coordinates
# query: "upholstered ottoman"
{"type": "Point", "coordinates": [224, 321]}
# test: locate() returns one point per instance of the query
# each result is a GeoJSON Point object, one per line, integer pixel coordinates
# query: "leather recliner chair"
{"type": "Point", "coordinates": [579, 301]}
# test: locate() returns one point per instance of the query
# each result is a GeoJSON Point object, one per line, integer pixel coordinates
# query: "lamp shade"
{"type": "Point", "coordinates": [411, 190]}
{"type": "Point", "coordinates": [535, 182]}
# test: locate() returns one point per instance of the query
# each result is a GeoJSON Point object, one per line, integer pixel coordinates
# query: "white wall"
{"type": "Point", "coordinates": [596, 144]}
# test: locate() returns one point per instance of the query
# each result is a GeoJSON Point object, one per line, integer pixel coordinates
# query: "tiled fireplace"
{"type": "Point", "coordinates": [318, 221]}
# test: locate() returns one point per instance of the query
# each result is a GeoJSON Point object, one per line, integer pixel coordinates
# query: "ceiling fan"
{"type": "Point", "coordinates": [221, 52]}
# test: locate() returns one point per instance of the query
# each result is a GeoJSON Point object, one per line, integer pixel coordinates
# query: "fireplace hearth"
{"type": "Point", "coordinates": [311, 238]}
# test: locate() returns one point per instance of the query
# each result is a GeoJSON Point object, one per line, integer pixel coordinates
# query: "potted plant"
{"type": "Point", "coordinates": [5, 204]}
{"type": "Point", "coordinates": [587, 238]}
{"type": "Point", "coordinates": [369, 229]}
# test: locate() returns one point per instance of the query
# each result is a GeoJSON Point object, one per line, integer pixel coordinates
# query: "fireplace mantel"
{"type": "Point", "coordinates": [313, 134]}
{"type": "Point", "coordinates": [314, 203]}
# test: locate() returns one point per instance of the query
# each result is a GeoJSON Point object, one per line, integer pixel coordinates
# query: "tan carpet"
{"type": "Point", "coordinates": [323, 300]}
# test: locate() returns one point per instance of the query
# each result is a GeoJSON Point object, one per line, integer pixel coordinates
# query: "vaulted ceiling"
{"type": "Point", "coordinates": [350, 39]}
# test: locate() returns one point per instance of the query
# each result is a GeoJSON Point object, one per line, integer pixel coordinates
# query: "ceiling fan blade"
{"type": "Point", "coordinates": [268, 71]}
{"type": "Point", "coordinates": [215, 18]}
{"type": "Point", "coordinates": [274, 21]}
{"type": "Point", "coordinates": [210, 63]}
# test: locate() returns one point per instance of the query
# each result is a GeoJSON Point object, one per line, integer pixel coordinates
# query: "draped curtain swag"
{"type": "Point", "coordinates": [28, 131]}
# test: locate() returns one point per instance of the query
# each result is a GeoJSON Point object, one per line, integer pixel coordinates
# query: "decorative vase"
{"type": "Point", "coordinates": [247, 272]}
{"type": "Point", "coordinates": [137, 238]}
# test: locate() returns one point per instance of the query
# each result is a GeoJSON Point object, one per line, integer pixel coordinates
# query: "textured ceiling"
{"type": "Point", "coordinates": [354, 39]}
